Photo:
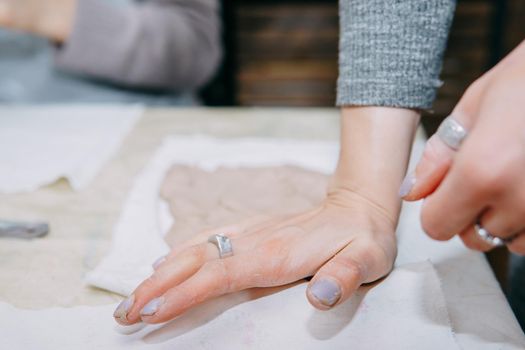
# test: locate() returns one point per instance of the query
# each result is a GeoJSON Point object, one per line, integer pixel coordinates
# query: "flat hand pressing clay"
{"type": "Point", "coordinates": [201, 199]}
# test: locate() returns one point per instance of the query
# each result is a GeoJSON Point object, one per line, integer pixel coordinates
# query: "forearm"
{"type": "Point", "coordinates": [375, 149]}
{"type": "Point", "coordinates": [389, 55]}
{"type": "Point", "coordinates": [159, 44]}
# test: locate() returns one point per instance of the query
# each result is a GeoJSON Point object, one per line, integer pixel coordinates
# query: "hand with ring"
{"type": "Point", "coordinates": [472, 172]}
{"type": "Point", "coordinates": [346, 241]}
{"type": "Point", "coordinates": [343, 246]}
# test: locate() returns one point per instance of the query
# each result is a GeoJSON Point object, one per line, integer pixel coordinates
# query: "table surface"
{"type": "Point", "coordinates": [49, 272]}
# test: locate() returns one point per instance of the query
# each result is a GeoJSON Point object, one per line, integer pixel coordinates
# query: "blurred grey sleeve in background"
{"type": "Point", "coordinates": [157, 44]}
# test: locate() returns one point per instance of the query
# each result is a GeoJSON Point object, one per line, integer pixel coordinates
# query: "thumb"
{"type": "Point", "coordinates": [339, 278]}
{"type": "Point", "coordinates": [437, 155]}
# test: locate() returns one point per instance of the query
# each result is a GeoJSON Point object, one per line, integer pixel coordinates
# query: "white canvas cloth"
{"type": "Point", "coordinates": [41, 145]}
{"type": "Point", "coordinates": [378, 317]}
{"type": "Point", "coordinates": [409, 309]}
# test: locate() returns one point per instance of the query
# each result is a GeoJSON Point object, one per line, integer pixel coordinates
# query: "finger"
{"type": "Point", "coordinates": [215, 278]}
{"type": "Point", "coordinates": [437, 156]}
{"type": "Point", "coordinates": [430, 171]}
{"type": "Point", "coordinates": [359, 262]}
{"type": "Point", "coordinates": [503, 221]}
{"type": "Point", "coordinates": [448, 211]}
{"type": "Point", "coordinates": [476, 181]}
{"type": "Point", "coordinates": [517, 244]}
{"type": "Point", "coordinates": [244, 227]}
{"type": "Point", "coordinates": [458, 201]}
{"type": "Point", "coordinates": [170, 273]}
{"type": "Point", "coordinates": [174, 271]}
{"type": "Point", "coordinates": [471, 239]}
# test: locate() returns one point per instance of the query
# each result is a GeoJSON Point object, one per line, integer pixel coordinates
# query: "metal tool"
{"type": "Point", "coordinates": [25, 230]}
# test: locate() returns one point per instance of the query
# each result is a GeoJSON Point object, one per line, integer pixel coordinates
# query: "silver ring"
{"type": "Point", "coordinates": [487, 236]}
{"type": "Point", "coordinates": [223, 244]}
{"type": "Point", "coordinates": [451, 132]}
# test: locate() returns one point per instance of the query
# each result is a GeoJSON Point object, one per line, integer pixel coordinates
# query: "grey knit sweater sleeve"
{"type": "Point", "coordinates": [390, 51]}
{"type": "Point", "coordinates": [164, 44]}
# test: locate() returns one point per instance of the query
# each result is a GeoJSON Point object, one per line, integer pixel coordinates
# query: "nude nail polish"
{"type": "Point", "coordinates": [123, 308]}
{"type": "Point", "coordinates": [158, 262]}
{"type": "Point", "coordinates": [326, 291]}
{"type": "Point", "coordinates": [407, 185]}
{"type": "Point", "coordinates": [152, 307]}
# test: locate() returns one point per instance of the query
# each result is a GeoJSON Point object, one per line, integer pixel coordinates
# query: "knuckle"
{"type": "Point", "coordinates": [372, 250]}
{"type": "Point", "coordinates": [430, 226]}
{"type": "Point", "coordinates": [352, 270]}
{"type": "Point", "coordinates": [195, 253]}
{"type": "Point", "coordinates": [277, 247]}
{"type": "Point", "coordinates": [468, 242]}
{"type": "Point", "coordinates": [472, 172]}
{"type": "Point", "coordinates": [486, 176]}
{"type": "Point", "coordinates": [474, 88]}
{"type": "Point", "coordinates": [222, 275]}
{"type": "Point", "coordinates": [468, 103]}
{"type": "Point", "coordinates": [436, 152]}
{"type": "Point", "coordinates": [472, 95]}
{"type": "Point", "coordinates": [380, 258]}
{"type": "Point", "coordinates": [276, 269]}
{"type": "Point", "coordinates": [493, 179]}
{"type": "Point", "coordinates": [472, 242]}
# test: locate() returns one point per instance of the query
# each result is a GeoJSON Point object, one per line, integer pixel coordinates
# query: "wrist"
{"type": "Point", "coordinates": [375, 149]}
{"type": "Point", "coordinates": [356, 204]}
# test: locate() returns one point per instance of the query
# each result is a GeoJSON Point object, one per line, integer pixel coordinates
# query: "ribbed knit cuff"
{"type": "Point", "coordinates": [409, 94]}
{"type": "Point", "coordinates": [391, 51]}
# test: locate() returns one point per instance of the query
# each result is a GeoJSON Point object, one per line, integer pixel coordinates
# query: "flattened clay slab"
{"type": "Point", "coordinates": [201, 199]}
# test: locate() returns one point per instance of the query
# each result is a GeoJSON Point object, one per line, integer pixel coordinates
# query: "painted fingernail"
{"type": "Point", "coordinates": [123, 308]}
{"type": "Point", "coordinates": [152, 307]}
{"type": "Point", "coordinates": [159, 261]}
{"type": "Point", "coordinates": [326, 291]}
{"type": "Point", "coordinates": [407, 185]}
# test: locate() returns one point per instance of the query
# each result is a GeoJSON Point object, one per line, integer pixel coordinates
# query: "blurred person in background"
{"type": "Point", "coordinates": [157, 52]}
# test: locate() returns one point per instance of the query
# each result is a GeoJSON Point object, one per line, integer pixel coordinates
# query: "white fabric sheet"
{"type": "Point", "coordinates": [41, 145]}
{"type": "Point", "coordinates": [405, 311]}
{"type": "Point", "coordinates": [411, 296]}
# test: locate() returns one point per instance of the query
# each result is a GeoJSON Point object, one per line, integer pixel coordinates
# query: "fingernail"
{"type": "Point", "coordinates": [159, 261]}
{"type": "Point", "coordinates": [407, 185]}
{"type": "Point", "coordinates": [152, 307]}
{"type": "Point", "coordinates": [326, 291]}
{"type": "Point", "coordinates": [123, 308]}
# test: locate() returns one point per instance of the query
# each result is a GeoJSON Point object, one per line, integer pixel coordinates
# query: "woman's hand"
{"type": "Point", "coordinates": [51, 19]}
{"type": "Point", "coordinates": [485, 179]}
{"type": "Point", "coordinates": [346, 241]}
{"type": "Point", "coordinates": [343, 243]}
